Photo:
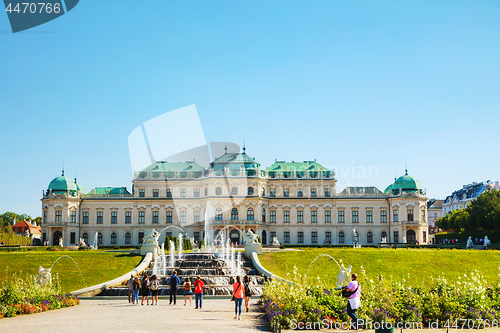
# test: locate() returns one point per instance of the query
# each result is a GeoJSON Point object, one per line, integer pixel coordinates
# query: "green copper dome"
{"type": "Point", "coordinates": [62, 184]}
{"type": "Point", "coordinates": [388, 189]}
{"type": "Point", "coordinates": [80, 188]}
{"type": "Point", "coordinates": [404, 183]}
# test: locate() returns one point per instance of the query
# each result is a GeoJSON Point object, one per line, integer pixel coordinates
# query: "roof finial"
{"type": "Point", "coordinates": [244, 148]}
{"type": "Point", "coordinates": [225, 149]}
{"type": "Point", "coordinates": [63, 170]}
{"type": "Point", "coordinates": [406, 170]}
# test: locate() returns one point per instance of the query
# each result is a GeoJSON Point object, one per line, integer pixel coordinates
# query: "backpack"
{"type": "Point", "coordinates": [173, 281]}
{"type": "Point", "coordinates": [154, 285]}
{"type": "Point", "coordinates": [348, 294]}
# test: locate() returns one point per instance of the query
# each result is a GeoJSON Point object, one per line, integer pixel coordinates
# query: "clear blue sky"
{"type": "Point", "coordinates": [350, 83]}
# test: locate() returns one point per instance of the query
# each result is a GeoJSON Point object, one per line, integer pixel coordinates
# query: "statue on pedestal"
{"type": "Point", "coordinates": [486, 241]}
{"type": "Point", "coordinates": [275, 242]}
{"type": "Point", "coordinates": [44, 276]}
{"type": "Point", "coordinates": [344, 276]}
{"type": "Point", "coordinates": [469, 244]}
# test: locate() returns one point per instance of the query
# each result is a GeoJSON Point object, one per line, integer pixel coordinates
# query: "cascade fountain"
{"type": "Point", "coordinates": [163, 259]}
{"type": "Point", "coordinates": [180, 246]}
{"type": "Point", "coordinates": [172, 253]}
{"type": "Point", "coordinates": [208, 231]}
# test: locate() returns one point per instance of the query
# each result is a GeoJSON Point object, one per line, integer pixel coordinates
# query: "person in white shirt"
{"type": "Point", "coordinates": [354, 301]}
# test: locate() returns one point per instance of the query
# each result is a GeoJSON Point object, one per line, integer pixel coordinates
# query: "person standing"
{"type": "Point", "coordinates": [198, 292]}
{"type": "Point", "coordinates": [154, 289]}
{"type": "Point", "coordinates": [145, 289]}
{"type": "Point", "coordinates": [187, 291]}
{"type": "Point", "coordinates": [248, 291]}
{"type": "Point", "coordinates": [353, 301]}
{"type": "Point", "coordinates": [136, 287]}
{"type": "Point", "coordinates": [130, 285]}
{"type": "Point", "coordinates": [237, 297]}
{"type": "Point", "coordinates": [174, 282]}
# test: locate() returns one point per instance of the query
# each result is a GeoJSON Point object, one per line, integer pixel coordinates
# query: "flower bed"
{"type": "Point", "coordinates": [469, 301]}
{"type": "Point", "coordinates": [24, 296]}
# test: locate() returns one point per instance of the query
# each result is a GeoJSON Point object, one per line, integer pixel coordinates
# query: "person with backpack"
{"type": "Point", "coordinates": [248, 291]}
{"type": "Point", "coordinates": [237, 297]}
{"type": "Point", "coordinates": [353, 294]}
{"type": "Point", "coordinates": [145, 289]}
{"type": "Point", "coordinates": [135, 292]}
{"type": "Point", "coordinates": [174, 282]}
{"type": "Point", "coordinates": [187, 291]}
{"type": "Point", "coordinates": [198, 292]}
{"type": "Point", "coordinates": [154, 290]}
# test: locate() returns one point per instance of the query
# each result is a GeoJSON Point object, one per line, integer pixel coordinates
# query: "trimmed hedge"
{"type": "Point", "coordinates": [494, 235]}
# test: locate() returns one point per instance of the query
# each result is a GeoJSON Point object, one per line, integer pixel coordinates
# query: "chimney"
{"type": "Point", "coordinates": [497, 185]}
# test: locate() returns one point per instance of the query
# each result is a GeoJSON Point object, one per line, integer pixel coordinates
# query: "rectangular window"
{"type": "Point", "coordinates": [328, 216]}
{"type": "Point", "coordinates": [72, 238]}
{"type": "Point", "coordinates": [369, 216]}
{"type": "Point", "coordinates": [300, 194]}
{"type": "Point", "coordinates": [327, 192]}
{"type": "Point", "coordinates": [85, 219]}
{"type": "Point", "coordinates": [58, 216]}
{"type": "Point", "coordinates": [142, 193]}
{"type": "Point", "coordinates": [341, 238]}
{"type": "Point", "coordinates": [183, 193]}
{"type": "Point", "coordinates": [328, 237]}
{"type": "Point", "coordinates": [169, 216]}
{"type": "Point", "coordinates": [141, 217]}
{"type": "Point", "coordinates": [313, 193]}
{"type": "Point", "coordinates": [155, 217]}
{"type": "Point", "coordinates": [410, 215]}
{"type": "Point", "coordinates": [287, 237]}
{"type": "Point", "coordinates": [314, 216]}
{"type": "Point", "coordinates": [99, 217]}
{"type": "Point", "coordinates": [196, 217]}
{"type": "Point", "coordinates": [73, 216]}
{"type": "Point", "coordinates": [383, 216]}
{"type": "Point", "coordinates": [196, 193]}
{"type": "Point", "coordinates": [355, 216]}
{"type": "Point", "coordinates": [128, 217]}
{"type": "Point", "coordinates": [396, 216]}
{"type": "Point", "coordinates": [300, 216]}
{"type": "Point", "coordinates": [396, 237]}
{"type": "Point", "coordinates": [273, 193]}
{"type": "Point", "coordinates": [45, 217]}
{"type": "Point", "coordinates": [272, 216]}
{"type": "Point", "coordinates": [300, 235]}
{"type": "Point", "coordinates": [314, 237]}
{"type": "Point", "coordinates": [286, 193]}
{"type": "Point", "coordinates": [341, 216]}
{"type": "Point", "coordinates": [114, 217]}
{"type": "Point", "coordinates": [286, 216]}
{"type": "Point", "coordinates": [273, 234]}
{"type": "Point", "coordinates": [183, 217]}
{"type": "Point", "coordinates": [156, 193]}
{"type": "Point", "coordinates": [196, 236]}
{"type": "Point", "coordinates": [169, 193]}
{"type": "Point", "coordinates": [141, 237]}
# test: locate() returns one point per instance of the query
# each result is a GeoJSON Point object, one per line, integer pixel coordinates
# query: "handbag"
{"type": "Point", "coordinates": [348, 294]}
{"type": "Point", "coordinates": [232, 297]}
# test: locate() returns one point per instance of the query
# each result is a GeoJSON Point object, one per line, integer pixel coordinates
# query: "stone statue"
{"type": "Point", "coordinates": [469, 244]}
{"type": "Point", "coordinates": [343, 277]}
{"type": "Point", "coordinates": [404, 240]}
{"type": "Point", "coordinates": [44, 276]}
{"type": "Point", "coordinates": [250, 238]}
{"type": "Point", "coordinates": [151, 238]}
{"type": "Point", "coordinates": [275, 241]}
{"type": "Point", "coordinates": [82, 242]}
{"type": "Point", "coordinates": [486, 241]}
{"type": "Point", "coordinates": [61, 242]}
{"type": "Point", "coordinates": [384, 240]}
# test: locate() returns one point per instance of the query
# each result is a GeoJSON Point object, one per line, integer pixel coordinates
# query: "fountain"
{"type": "Point", "coordinates": [44, 276]}
{"type": "Point", "coordinates": [172, 253]}
{"type": "Point", "coordinates": [208, 232]}
{"type": "Point", "coordinates": [180, 246]}
{"type": "Point", "coordinates": [94, 245]}
{"type": "Point", "coordinates": [344, 274]}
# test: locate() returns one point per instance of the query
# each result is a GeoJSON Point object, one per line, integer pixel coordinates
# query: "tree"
{"type": "Point", "coordinates": [484, 212]}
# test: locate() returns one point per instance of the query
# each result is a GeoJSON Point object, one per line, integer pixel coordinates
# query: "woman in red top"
{"type": "Point", "coordinates": [198, 292]}
{"type": "Point", "coordinates": [237, 297]}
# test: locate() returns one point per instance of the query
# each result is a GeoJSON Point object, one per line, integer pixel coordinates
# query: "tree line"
{"type": "Point", "coordinates": [481, 214]}
{"type": "Point", "coordinates": [8, 218]}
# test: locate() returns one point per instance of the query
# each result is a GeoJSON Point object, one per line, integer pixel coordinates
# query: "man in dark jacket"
{"type": "Point", "coordinates": [174, 282]}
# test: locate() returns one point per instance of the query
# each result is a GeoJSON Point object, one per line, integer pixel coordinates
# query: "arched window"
{"type": "Point", "coordinates": [250, 216]}
{"type": "Point", "coordinates": [218, 191]}
{"type": "Point", "coordinates": [234, 191]}
{"type": "Point", "coordinates": [383, 235]}
{"type": "Point", "coordinates": [113, 238]}
{"type": "Point", "coordinates": [128, 238]}
{"type": "Point", "coordinates": [263, 215]}
{"type": "Point", "coordinates": [369, 237]}
{"type": "Point", "coordinates": [234, 214]}
{"type": "Point", "coordinates": [218, 214]}
{"type": "Point", "coordinates": [99, 238]}
{"type": "Point", "coordinates": [341, 237]}
{"type": "Point", "coordinates": [250, 191]}
{"type": "Point", "coordinates": [85, 237]}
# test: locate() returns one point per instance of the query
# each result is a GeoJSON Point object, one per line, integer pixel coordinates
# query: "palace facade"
{"type": "Point", "coordinates": [297, 202]}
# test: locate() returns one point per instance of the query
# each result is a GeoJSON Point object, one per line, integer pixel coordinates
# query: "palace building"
{"type": "Point", "coordinates": [297, 202]}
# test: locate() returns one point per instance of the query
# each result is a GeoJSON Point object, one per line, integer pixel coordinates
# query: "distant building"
{"type": "Point", "coordinates": [434, 211]}
{"type": "Point", "coordinates": [461, 198]}
{"type": "Point", "coordinates": [27, 229]}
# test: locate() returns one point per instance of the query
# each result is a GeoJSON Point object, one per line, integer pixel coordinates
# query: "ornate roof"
{"type": "Point", "coordinates": [296, 166]}
{"type": "Point", "coordinates": [109, 190]}
{"type": "Point", "coordinates": [405, 183]}
{"type": "Point", "coordinates": [173, 166]}
{"type": "Point", "coordinates": [234, 161]}
{"type": "Point", "coordinates": [361, 191]}
{"type": "Point", "coordinates": [62, 184]}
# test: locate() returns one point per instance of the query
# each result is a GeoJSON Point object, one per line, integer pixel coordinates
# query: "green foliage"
{"type": "Point", "coordinates": [10, 239]}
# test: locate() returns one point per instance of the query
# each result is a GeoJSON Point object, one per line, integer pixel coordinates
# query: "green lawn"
{"type": "Point", "coordinates": [96, 266]}
{"type": "Point", "coordinates": [412, 264]}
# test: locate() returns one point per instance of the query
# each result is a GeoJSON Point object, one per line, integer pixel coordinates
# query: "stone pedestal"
{"type": "Point", "coordinates": [249, 248]}
{"type": "Point", "coordinates": [145, 248]}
